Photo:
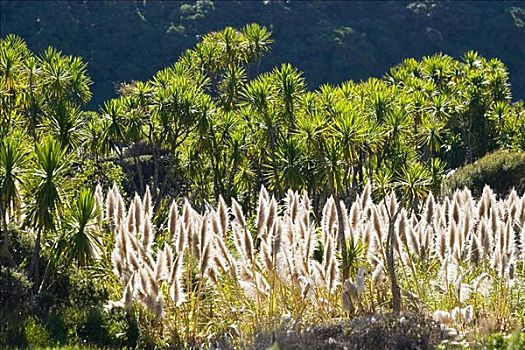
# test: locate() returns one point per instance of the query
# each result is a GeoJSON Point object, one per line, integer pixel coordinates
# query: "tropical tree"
{"type": "Point", "coordinates": [13, 161]}
{"type": "Point", "coordinates": [80, 240]}
{"type": "Point", "coordinates": [46, 187]}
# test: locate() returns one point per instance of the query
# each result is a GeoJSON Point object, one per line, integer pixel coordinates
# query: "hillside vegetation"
{"type": "Point", "coordinates": [330, 41]}
{"type": "Point", "coordinates": [139, 224]}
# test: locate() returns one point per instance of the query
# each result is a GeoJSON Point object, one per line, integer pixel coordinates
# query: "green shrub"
{"type": "Point", "coordinates": [36, 334]}
{"type": "Point", "coordinates": [498, 341]}
{"type": "Point", "coordinates": [501, 170]}
{"type": "Point", "coordinates": [15, 290]}
{"type": "Point", "coordinates": [82, 319]}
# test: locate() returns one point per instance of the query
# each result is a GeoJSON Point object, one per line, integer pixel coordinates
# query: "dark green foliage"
{"type": "Point", "coordinates": [15, 294]}
{"type": "Point", "coordinates": [71, 311]}
{"type": "Point", "coordinates": [501, 170]}
{"type": "Point", "coordinates": [331, 41]}
{"type": "Point", "coordinates": [81, 317]}
{"type": "Point", "coordinates": [89, 173]}
{"type": "Point", "coordinates": [500, 341]}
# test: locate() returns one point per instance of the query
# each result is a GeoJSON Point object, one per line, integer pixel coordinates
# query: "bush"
{"type": "Point", "coordinates": [36, 334]}
{"type": "Point", "coordinates": [82, 319]}
{"type": "Point", "coordinates": [498, 341]}
{"type": "Point", "coordinates": [15, 289]}
{"type": "Point", "coordinates": [390, 331]}
{"type": "Point", "coordinates": [501, 170]}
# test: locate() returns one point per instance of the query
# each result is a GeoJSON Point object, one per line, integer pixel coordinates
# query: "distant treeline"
{"type": "Point", "coordinates": [328, 41]}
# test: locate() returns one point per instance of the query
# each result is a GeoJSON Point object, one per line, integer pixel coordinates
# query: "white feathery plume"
{"type": "Point", "coordinates": [366, 198]}
{"type": "Point", "coordinates": [378, 275]}
{"type": "Point", "coordinates": [485, 238]}
{"type": "Point", "coordinates": [130, 219]}
{"type": "Point", "coordinates": [442, 316]}
{"type": "Point", "coordinates": [346, 224]}
{"type": "Point", "coordinates": [413, 241]}
{"type": "Point", "coordinates": [168, 260]}
{"type": "Point", "coordinates": [223, 215]}
{"type": "Point", "coordinates": [120, 207]}
{"type": "Point", "coordinates": [378, 224]}
{"type": "Point", "coordinates": [446, 211]}
{"type": "Point", "coordinates": [272, 215]}
{"type": "Point", "coordinates": [262, 214]}
{"type": "Point", "coordinates": [266, 253]}
{"type": "Point", "coordinates": [176, 292]}
{"type": "Point", "coordinates": [329, 217]}
{"type": "Point", "coordinates": [354, 215]}
{"type": "Point", "coordinates": [292, 204]}
{"type": "Point", "coordinates": [474, 251]}
{"type": "Point", "coordinates": [139, 214]}
{"type": "Point", "coordinates": [403, 227]}
{"type": "Point", "coordinates": [110, 207]}
{"type": "Point", "coordinates": [173, 219]}
{"type": "Point", "coordinates": [99, 200]}
{"type": "Point", "coordinates": [238, 213]}
{"type": "Point", "coordinates": [148, 235]}
{"type": "Point", "coordinates": [441, 243]}
{"type": "Point", "coordinates": [455, 214]}
{"type": "Point", "coordinates": [181, 241]}
{"type": "Point", "coordinates": [428, 213]}
{"type": "Point", "coordinates": [352, 290]}
{"type": "Point", "coordinates": [482, 284]}
{"type": "Point", "coordinates": [521, 216]}
{"type": "Point", "coordinates": [216, 226]}
{"type": "Point", "coordinates": [147, 207]}
{"type": "Point", "coordinates": [160, 271]}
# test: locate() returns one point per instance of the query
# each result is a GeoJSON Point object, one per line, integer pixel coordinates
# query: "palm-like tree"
{"type": "Point", "coordinates": [431, 136]}
{"type": "Point", "coordinates": [12, 167]}
{"type": "Point", "coordinates": [289, 85]}
{"type": "Point", "coordinates": [258, 98]}
{"type": "Point", "coordinates": [13, 54]}
{"type": "Point", "coordinates": [67, 124]}
{"type": "Point", "coordinates": [349, 131]}
{"type": "Point", "coordinates": [81, 239]}
{"type": "Point", "coordinates": [293, 172]}
{"type": "Point", "coordinates": [51, 165]}
{"type": "Point", "coordinates": [414, 182]}
{"type": "Point", "coordinates": [259, 40]}
{"type": "Point", "coordinates": [64, 78]}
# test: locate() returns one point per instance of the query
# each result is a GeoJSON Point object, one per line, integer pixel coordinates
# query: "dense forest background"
{"type": "Point", "coordinates": [329, 41]}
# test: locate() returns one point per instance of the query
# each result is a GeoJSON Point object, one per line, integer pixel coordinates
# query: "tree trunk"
{"type": "Point", "coordinates": [156, 167]}
{"type": "Point", "coordinates": [5, 253]}
{"type": "Point", "coordinates": [342, 236]}
{"type": "Point", "coordinates": [35, 260]}
{"type": "Point", "coordinates": [139, 173]}
{"type": "Point", "coordinates": [396, 291]}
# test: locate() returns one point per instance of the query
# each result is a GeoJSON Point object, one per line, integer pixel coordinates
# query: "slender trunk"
{"type": "Point", "coordinates": [274, 163]}
{"type": "Point", "coordinates": [163, 186]}
{"type": "Point", "coordinates": [396, 291]}
{"type": "Point", "coordinates": [156, 166]}
{"type": "Point", "coordinates": [216, 177]}
{"type": "Point", "coordinates": [46, 276]}
{"type": "Point", "coordinates": [360, 170]}
{"type": "Point", "coordinates": [123, 164]}
{"type": "Point", "coordinates": [35, 260]}
{"type": "Point", "coordinates": [5, 253]}
{"type": "Point", "coordinates": [342, 236]}
{"type": "Point", "coordinates": [139, 173]}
